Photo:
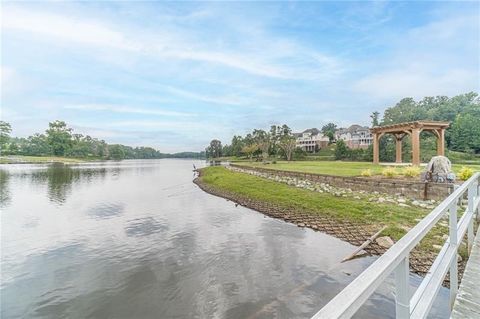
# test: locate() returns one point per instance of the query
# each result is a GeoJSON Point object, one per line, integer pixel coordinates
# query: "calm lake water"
{"type": "Point", "coordinates": [137, 239]}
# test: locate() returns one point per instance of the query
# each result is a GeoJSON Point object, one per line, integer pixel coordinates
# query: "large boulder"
{"type": "Point", "coordinates": [439, 170]}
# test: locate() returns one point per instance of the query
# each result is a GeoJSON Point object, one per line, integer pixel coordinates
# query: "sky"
{"type": "Point", "coordinates": [174, 75]}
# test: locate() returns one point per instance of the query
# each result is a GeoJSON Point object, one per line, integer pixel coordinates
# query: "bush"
{"type": "Point", "coordinates": [465, 173]}
{"type": "Point", "coordinates": [366, 173]}
{"type": "Point", "coordinates": [389, 172]}
{"type": "Point", "coordinates": [411, 171]}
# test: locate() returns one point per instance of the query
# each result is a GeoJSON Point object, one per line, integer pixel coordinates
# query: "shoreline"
{"type": "Point", "coordinates": [353, 233]}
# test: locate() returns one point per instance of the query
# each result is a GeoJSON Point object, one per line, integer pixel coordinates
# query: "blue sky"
{"type": "Point", "coordinates": [174, 75]}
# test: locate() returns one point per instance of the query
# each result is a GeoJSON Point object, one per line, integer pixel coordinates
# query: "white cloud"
{"type": "Point", "coordinates": [173, 45]}
{"type": "Point", "coordinates": [125, 109]}
{"type": "Point", "coordinates": [415, 83]}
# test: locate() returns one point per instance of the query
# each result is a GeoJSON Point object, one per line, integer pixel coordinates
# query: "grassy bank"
{"type": "Point", "coordinates": [19, 159]}
{"type": "Point", "coordinates": [337, 168]}
{"type": "Point", "coordinates": [250, 189]}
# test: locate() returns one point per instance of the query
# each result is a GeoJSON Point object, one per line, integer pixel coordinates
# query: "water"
{"type": "Point", "coordinates": [137, 239]}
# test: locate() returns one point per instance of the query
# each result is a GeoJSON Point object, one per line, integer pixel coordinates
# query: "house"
{"type": "Point", "coordinates": [311, 140]}
{"type": "Point", "coordinates": [355, 136]}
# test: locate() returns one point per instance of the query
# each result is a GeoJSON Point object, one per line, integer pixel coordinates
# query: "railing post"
{"type": "Point", "coordinates": [402, 300]}
{"type": "Point", "coordinates": [471, 197]}
{"type": "Point", "coordinates": [453, 264]}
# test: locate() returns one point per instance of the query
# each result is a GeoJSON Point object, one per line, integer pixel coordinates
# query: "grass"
{"type": "Point", "coordinates": [337, 168]}
{"type": "Point", "coordinates": [40, 159]}
{"type": "Point", "coordinates": [397, 219]}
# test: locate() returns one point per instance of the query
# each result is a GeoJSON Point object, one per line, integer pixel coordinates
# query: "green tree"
{"type": "Point", "coordinates": [37, 145]}
{"type": "Point", "coordinates": [59, 137]}
{"type": "Point", "coordinates": [341, 151]}
{"type": "Point", "coordinates": [5, 130]}
{"type": "Point", "coordinates": [375, 116]}
{"type": "Point", "coordinates": [329, 131]}
{"type": "Point", "coordinates": [214, 150]}
{"type": "Point", "coordinates": [116, 152]}
{"type": "Point", "coordinates": [288, 144]}
{"type": "Point", "coordinates": [465, 135]}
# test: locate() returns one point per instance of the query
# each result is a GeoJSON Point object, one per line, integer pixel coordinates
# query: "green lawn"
{"type": "Point", "coordinates": [397, 219]}
{"type": "Point", "coordinates": [40, 159]}
{"type": "Point", "coordinates": [338, 168]}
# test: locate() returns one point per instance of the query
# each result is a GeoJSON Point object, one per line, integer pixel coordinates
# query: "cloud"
{"type": "Point", "coordinates": [401, 83]}
{"type": "Point", "coordinates": [126, 109]}
{"type": "Point", "coordinates": [174, 44]}
{"type": "Point", "coordinates": [225, 100]}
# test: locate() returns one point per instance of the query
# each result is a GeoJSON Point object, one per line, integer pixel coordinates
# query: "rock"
{"type": "Point", "coordinates": [357, 197]}
{"type": "Point", "coordinates": [401, 200]}
{"type": "Point", "coordinates": [385, 241]}
{"type": "Point", "coordinates": [301, 225]}
{"type": "Point", "coordinates": [381, 200]}
{"type": "Point", "coordinates": [437, 247]}
{"type": "Point", "coordinates": [403, 205]}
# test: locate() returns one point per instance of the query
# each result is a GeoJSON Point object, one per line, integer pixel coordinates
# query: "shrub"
{"type": "Point", "coordinates": [411, 171]}
{"type": "Point", "coordinates": [465, 173]}
{"type": "Point", "coordinates": [389, 172]}
{"type": "Point", "coordinates": [366, 173]}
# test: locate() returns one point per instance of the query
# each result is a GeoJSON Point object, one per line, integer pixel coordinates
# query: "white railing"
{"type": "Point", "coordinates": [395, 260]}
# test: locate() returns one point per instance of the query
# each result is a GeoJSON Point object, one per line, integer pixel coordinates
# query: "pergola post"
{"type": "Point", "coordinates": [398, 148]}
{"type": "Point", "coordinates": [416, 146]}
{"type": "Point", "coordinates": [441, 142]}
{"type": "Point", "coordinates": [376, 153]}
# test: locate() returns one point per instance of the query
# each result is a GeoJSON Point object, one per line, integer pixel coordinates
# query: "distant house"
{"type": "Point", "coordinates": [355, 136]}
{"type": "Point", "coordinates": [311, 140]}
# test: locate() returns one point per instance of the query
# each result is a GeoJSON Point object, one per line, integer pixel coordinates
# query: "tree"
{"type": "Point", "coordinates": [250, 150]}
{"type": "Point", "coordinates": [329, 131]}
{"type": "Point", "coordinates": [5, 130]}
{"type": "Point", "coordinates": [236, 146]}
{"type": "Point", "coordinates": [375, 116]}
{"type": "Point", "coordinates": [341, 151]}
{"type": "Point", "coordinates": [465, 135]}
{"type": "Point", "coordinates": [59, 137]}
{"type": "Point", "coordinates": [214, 149]}
{"type": "Point", "coordinates": [37, 145]}
{"type": "Point", "coordinates": [116, 152]}
{"type": "Point", "coordinates": [262, 139]}
{"type": "Point", "coordinates": [288, 144]}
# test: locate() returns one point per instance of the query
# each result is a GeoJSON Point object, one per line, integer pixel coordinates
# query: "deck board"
{"type": "Point", "coordinates": [467, 302]}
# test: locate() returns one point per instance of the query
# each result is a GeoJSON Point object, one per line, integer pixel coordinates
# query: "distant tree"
{"type": "Point", "coordinates": [214, 149]}
{"type": "Point", "coordinates": [375, 118]}
{"type": "Point", "coordinates": [250, 150]}
{"type": "Point", "coordinates": [288, 144]}
{"type": "Point", "coordinates": [116, 152]}
{"type": "Point", "coordinates": [37, 145]}
{"type": "Point", "coordinates": [262, 139]}
{"type": "Point", "coordinates": [329, 131]}
{"type": "Point", "coordinates": [5, 130]}
{"type": "Point", "coordinates": [59, 137]}
{"type": "Point", "coordinates": [237, 144]}
{"type": "Point", "coordinates": [465, 135]}
{"type": "Point", "coordinates": [341, 151]}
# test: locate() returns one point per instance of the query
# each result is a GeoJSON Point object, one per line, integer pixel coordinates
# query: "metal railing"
{"type": "Point", "coordinates": [395, 260]}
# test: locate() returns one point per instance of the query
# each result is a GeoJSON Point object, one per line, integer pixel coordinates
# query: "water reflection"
{"type": "Point", "coordinates": [137, 239]}
{"type": "Point", "coordinates": [106, 210]}
{"type": "Point", "coordinates": [4, 188]}
{"type": "Point", "coordinates": [144, 227]}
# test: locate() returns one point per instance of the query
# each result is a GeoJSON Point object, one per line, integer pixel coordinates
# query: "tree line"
{"type": "Point", "coordinates": [261, 144]}
{"type": "Point", "coordinates": [60, 140]}
{"type": "Point", "coordinates": [463, 135]}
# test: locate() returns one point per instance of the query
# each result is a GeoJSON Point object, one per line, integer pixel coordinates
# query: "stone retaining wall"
{"type": "Point", "coordinates": [410, 189]}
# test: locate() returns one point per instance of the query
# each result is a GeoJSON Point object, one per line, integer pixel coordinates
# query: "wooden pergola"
{"type": "Point", "coordinates": [413, 129]}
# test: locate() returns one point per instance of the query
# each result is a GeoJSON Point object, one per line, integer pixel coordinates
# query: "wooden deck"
{"type": "Point", "coordinates": [467, 303]}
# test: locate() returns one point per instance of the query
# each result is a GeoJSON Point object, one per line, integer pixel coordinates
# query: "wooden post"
{"type": "Point", "coordinates": [416, 146]}
{"type": "Point", "coordinates": [398, 144]}
{"type": "Point", "coordinates": [441, 142]}
{"type": "Point", "coordinates": [376, 154]}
